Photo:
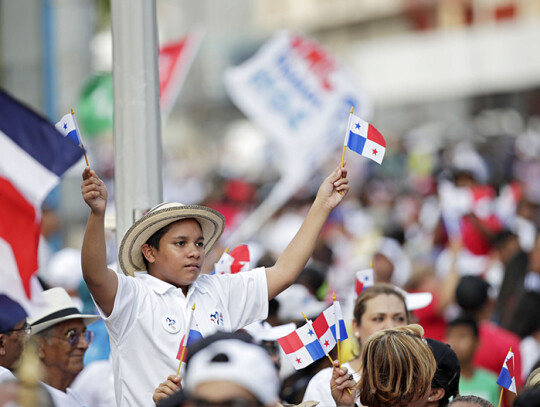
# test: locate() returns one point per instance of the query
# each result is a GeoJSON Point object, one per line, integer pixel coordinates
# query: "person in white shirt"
{"type": "Point", "coordinates": [60, 330]}
{"type": "Point", "coordinates": [147, 316]}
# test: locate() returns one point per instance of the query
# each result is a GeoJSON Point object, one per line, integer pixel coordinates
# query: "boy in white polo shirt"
{"type": "Point", "coordinates": [147, 316]}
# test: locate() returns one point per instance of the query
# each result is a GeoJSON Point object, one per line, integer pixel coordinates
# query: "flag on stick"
{"type": "Point", "coordinates": [187, 339]}
{"type": "Point", "coordinates": [364, 279]}
{"type": "Point", "coordinates": [234, 261]}
{"type": "Point", "coordinates": [364, 139]}
{"type": "Point", "coordinates": [302, 347]}
{"type": "Point", "coordinates": [507, 379]}
{"type": "Point", "coordinates": [70, 129]}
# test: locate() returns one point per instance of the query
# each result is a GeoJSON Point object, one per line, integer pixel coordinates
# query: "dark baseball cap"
{"type": "Point", "coordinates": [448, 369]}
{"type": "Point", "coordinates": [11, 313]}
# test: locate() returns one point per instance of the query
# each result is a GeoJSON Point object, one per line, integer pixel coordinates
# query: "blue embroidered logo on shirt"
{"type": "Point", "coordinates": [217, 318]}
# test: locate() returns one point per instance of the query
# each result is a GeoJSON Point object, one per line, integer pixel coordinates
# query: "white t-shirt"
{"type": "Point", "coordinates": [150, 316]}
{"type": "Point", "coordinates": [95, 384]}
{"type": "Point", "coordinates": [318, 388]}
{"type": "Point", "coordinates": [6, 374]}
{"type": "Point", "coordinates": [68, 399]}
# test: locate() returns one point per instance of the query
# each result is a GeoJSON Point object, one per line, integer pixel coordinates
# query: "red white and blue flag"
{"type": "Point", "coordinates": [365, 139]}
{"type": "Point", "coordinates": [302, 347]}
{"type": "Point", "coordinates": [33, 157]}
{"type": "Point", "coordinates": [192, 337]}
{"type": "Point", "coordinates": [326, 328]}
{"type": "Point", "coordinates": [364, 279]}
{"type": "Point", "coordinates": [233, 262]}
{"type": "Point", "coordinates": [507, 378]}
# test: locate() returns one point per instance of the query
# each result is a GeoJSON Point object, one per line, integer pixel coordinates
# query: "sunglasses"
{"type": "Point", "coordinates": [26, 329]}
{"type": "Point", "coordinates": [73, 337]}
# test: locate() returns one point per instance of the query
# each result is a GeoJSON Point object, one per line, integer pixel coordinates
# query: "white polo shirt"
{"type": "Point", "coordinates": [149, 318]}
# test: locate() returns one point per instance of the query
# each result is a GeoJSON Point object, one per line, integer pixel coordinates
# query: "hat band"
{"type": "Point", "coordinates": [58, 314]}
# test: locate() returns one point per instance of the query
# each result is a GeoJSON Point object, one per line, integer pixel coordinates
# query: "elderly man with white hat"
{"type": "Point", "coordinates": [63, 339]}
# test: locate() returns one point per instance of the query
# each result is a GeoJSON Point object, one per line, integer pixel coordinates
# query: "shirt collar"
{"type": "Point", "coordinates": [161, 287]}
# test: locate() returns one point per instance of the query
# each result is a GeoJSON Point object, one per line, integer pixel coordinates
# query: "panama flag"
{"type": "Point", "coordinates": [326, 328]}
{"type": "Point", "coordinates": [68, 127]}
{"type": "Point", "coordinates": [33, 157]}
{"type": "Point", "coordinates": [302, 347]}
{"type": "Point", "coordinates": [233, 262]}
{"type": "Point", "coordinates": [365, 139]}
{"type": "Point", "coordinates": [364, 279]}
{"type": "Point", "coordinates": [507, 379]}
{"type": "Point", "coordinates": [192, 337]}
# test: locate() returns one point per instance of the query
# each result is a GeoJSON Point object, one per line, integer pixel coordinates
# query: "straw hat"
{"type": "Point", "coordinates": [60, 307]}
{"type": "Point", "coordinates": [130, 256]}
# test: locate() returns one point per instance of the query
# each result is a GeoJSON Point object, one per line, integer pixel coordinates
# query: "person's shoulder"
{"type": "Point", "coordinates": [484, 374]}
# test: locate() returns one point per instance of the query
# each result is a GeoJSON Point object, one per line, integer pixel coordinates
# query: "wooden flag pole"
{"type": "Point", "coordinates": [329, 357]}
{"type": "Point", "coordinates": [500, 397]}
{"type": "Point", "coordinates": [79, 136]}
{"type": "Point", "coordinates": [187, 333]}
{"type": "Point", "coordinates": [344, 146]}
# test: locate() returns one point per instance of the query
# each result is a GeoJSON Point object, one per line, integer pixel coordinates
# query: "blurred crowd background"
{"type": "Point", "coordinates": [455, 89]}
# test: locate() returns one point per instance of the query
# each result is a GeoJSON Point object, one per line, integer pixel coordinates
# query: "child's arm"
{"type": "Point", "coordinates": [101, 281]}
{"type": "Point", "coordinates": [293, 259]}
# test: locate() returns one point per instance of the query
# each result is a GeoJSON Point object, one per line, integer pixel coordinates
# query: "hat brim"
{"type": "Point", "coordinates": [130, 256]}
{"type": "Point", "coordinates": [39, 327]}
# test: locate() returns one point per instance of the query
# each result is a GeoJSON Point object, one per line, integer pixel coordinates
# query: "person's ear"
{"type": "Point", "coordinates": [2, 344]}
{"type": "Point", "coordinates": [436, 394]}
{"type": "Point", "coordinates": [148, 252]}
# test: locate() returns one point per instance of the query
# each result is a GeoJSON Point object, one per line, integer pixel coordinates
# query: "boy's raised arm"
{"type": "Point", "coordinates": [101, 281]}
{"type": "Point", "coordinates": [291, 262]}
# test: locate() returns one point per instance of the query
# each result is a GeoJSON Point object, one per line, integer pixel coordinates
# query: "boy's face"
{"type": "Point", "coordinates": [462, 340]}
{"type": "Point", "coordinates": [180, 256]}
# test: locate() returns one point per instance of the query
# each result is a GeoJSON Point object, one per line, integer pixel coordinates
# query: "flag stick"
{"type": "Point", "coordinates": [187, 333]}
{"type": "Point", "coordinates": [344, 146]}
{"type": "Point", "coordinates": [329, 357]}
{"type": "Point", "coordinates": [80, 137]}
{"type": "Point", "coordinates": [338, 336]}
{"type": "Point", "coordinates": [500, 397]}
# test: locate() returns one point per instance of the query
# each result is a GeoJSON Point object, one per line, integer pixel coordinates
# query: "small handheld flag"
{"type": "Point", "coordinates": [364, 279]}
{"type": "Point", "coordinates": [302, 347]}
{"type": "Point", "coordinates": [507, 379]}
{"type": "Point", "coordinates": [187, 338]}
{"type": "Point", "coordinates": [69, 128]}
{"type": "Point", "coordinates": [364, 139]}
{"type": "Point", "coordinates": [234, 261]}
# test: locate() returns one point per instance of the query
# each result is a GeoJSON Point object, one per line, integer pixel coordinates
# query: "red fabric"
{"type": "Point", "coordinates": [495, 342]}
{"type": "Point", "coordinates": [433, 323]}
{"type": "Point", "coordinates": [20, 229]}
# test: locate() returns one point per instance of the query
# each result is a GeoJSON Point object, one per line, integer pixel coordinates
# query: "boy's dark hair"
{"type": "Point", "coordinates": [472, 293]}
{"type": "Point", "coordinates": [156, 237]}
{"type": "Point", "coordinates": [467, 320]}
{"type": "Point", "coordinates": [154, 240]}
{"type": "Point", "coordinates": [473, 400]}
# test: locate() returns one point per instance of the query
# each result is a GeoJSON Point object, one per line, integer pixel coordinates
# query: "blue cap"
{"type": "Point", "coordinates": [11, 313]}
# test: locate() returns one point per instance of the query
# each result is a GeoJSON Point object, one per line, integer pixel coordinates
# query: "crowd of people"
{"type": "Point", "coordinates": [110, 335]}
